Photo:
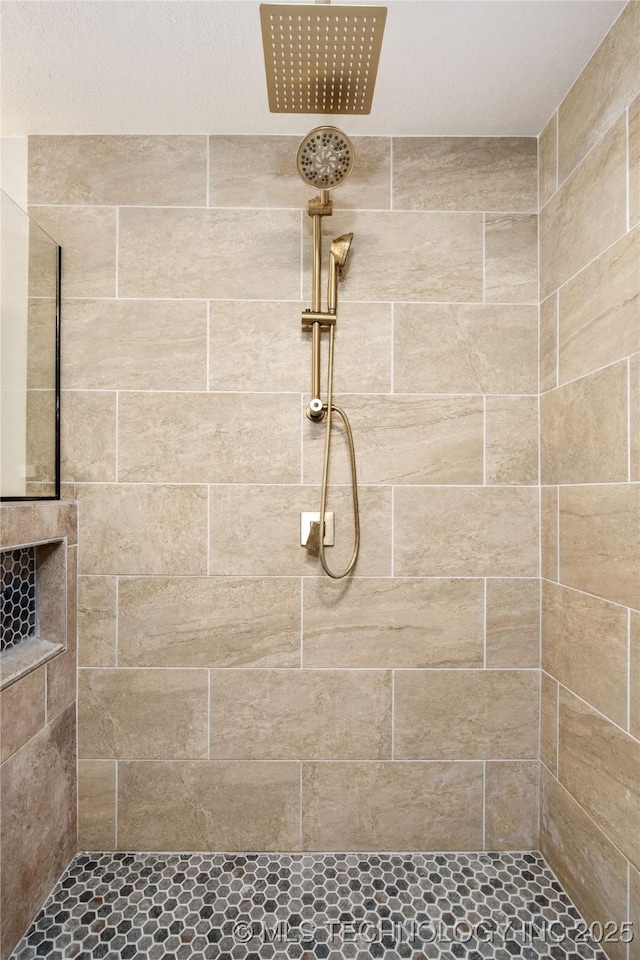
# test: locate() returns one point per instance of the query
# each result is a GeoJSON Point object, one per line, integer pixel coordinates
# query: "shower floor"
{"type": "Point", "coordinates": [445, 906]}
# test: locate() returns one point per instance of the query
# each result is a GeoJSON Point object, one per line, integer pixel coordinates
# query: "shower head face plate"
{"type": "Point", "coordinates": [325, 158]}
{"type": "Point", "coordinates": [321, 58]}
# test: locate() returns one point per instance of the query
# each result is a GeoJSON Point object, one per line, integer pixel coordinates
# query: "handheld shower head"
{"type": "Point", "coordinates": [339, 253]}
{"type": "Point", "coordinates": [325, 158]}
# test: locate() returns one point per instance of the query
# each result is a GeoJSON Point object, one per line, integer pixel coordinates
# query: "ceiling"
{"type": "Point", "coordinates": [448, 67]}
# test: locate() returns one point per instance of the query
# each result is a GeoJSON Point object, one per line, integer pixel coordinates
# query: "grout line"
{"type": "Point", "coordinates": [157, 668]}
{"type": "Point", "coordinates": [557, 176]}
{"type": "Point", "coordinates": [301, 622]}
{"type": "Point", "coordinates": [557, 534]}
{"type": "Point", "coordinates": [628, 178]}
{"type": "Point", "coordinates": [393, 329]}
{"type": "Point", "coordinates": [557, 727]}
{"type": "Point", "coordinates": [116, 802]}
{"type": "Point", "coordinates": [208, 714]}
{"type": "Point", "coordinates": [208, 170]}
{"type": "Point", "coordinates": [585, 593]}
{"type": "Point", "coordinates": [117, 437]}
{"type": "Point", "coordinates": [484, 440]}
{"type": "Point", "coordinates": [295, 393]}
{"type": "Point", "coordinates": [393, 530]}
{"type": "Point", "coordinates": [484, 256]}
{"type": "Point", "coordinates": [629, 670]}
{"type": "Point", "coordinates": [117, 270]}
{"type": "Point", "coordinates": [117, 631]}
{"type": "Point", "coordinates": [390, 173]}
{"type": "Point", "coordinates": [557, 300]}
{"type": "Point", "coordinates": [629, 428]}
{"type": "Point", "coordinates": [300, 300]}
{"type": "Point", "coordinates": [300, 807]}
{"type": "Point", "coordinates": [484, 803]}
{"type": "Point", "coordinates": [208, 347]}
{"type": "Point", "coordinates": [302, 419]}
{"type": "Point", "coordinates": [595, 710]}
{"type": "Point", "coordinates": [484, 626]}
{"type": "Point", "coordinates": [393, 714]}
{"type": "Point", "coordinates": [585, 376]}
{"type": "Point", "coordinates": [315, 760]}
{"type": "Point", "coordinates": [208, 530]}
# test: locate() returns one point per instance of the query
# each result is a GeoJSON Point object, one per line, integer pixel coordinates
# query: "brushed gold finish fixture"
{"type": "Point", "coordinates": [325, 157]}
{"type": "Point", "coordinates": [321, 58]}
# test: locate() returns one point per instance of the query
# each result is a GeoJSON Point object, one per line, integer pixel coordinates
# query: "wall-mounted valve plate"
{"type": "Point", "coordinates": [306, 519]}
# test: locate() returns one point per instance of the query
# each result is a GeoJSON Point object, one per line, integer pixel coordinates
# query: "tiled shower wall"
{"type": "Point", "coordinates": [590, 460]}
{"type": "Point", "coordinates": [229, 696]}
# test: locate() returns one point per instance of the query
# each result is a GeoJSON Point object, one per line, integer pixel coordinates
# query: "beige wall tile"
{"type": "Point", "coordinates": [404, 440]}
{"type": "Point", "coordinates": [236, 180]}
{"type": "Point", "coordinates": [89, 435]}
{"type": "Point", "coordinates": [142, 714]}
{"type": "Point", "coordinates": [605, 86]}
{"type": "Point", "coordinates": [634, 904]}
{"type": "Point", "coordinates": [460, 348]}
{"type": "Point", "coordinates": [22, 712]}
{"type": "Point", "coordinates": [599, 528]}
{"type": "Point", "coordinates": [137, 528]}
{"type": "Point", "coordinates": [598, 764]}
{"type": "Point", "coordinates": [634, 417]}
{"type": "Point", "coordinates": [466, 714]}
{"type": "Point", "coordinates": [549, 532]}
{"type": "Point", "coordinates": [384, 622]}
{"type": "Point", "coordinates": [265, 536]}
{"type": "Point", "coordinates": [634, 674]}
{"type": "Point", "coordinates": [466, 531]}
{"type": "Point", "coordinates": [634, 162]}
{"type": "Point", "coordinates": [219, 253]}
{"type": "Point", "coordinates": [584, 429]}
{"type": "Point", "coordinates": [294, 715]}
{"type": "Point", "coordinates": [209, 806]}
{"type": "Point", "coordinates": [392, 806]}
{"type": "Point", "coordinates": [41, 436]}
{"type": "Point", "coordinates": [97, 804]}
{"type": "Point", "coordinates": [549, 343]}
{"type": "Point", "coordinates": [590, 868]}
{"type": "Point", "coordinates": [464, 173]}
{"type": "Point", "coordinates": [156, 170]}
{"type": "Point", "coordinates": [41, 337]}
{"type": "Point", "coordinates": [61, 671]}
{"type": "Point", "coordinates": [22, 523]}
{"type": "Point", "coordinates": [96, 621]}
{"type": "Point", "coordinates": [584, 646]}
{"type": "Point", "coordinates": [548, 159]}
{"type": "Point", "coordinates": [134, 345]}
{"type": "Point", "coordinates": [511, 436]}
{"type": "Point", "coordinates": [208, 622]}
{"type": "Point", "coordinates": [600, 310]}
{"type": "Point", "coordinates": [549, 723]}
{"type": "Point", "coordinates": [511, 259]}
{"type": "Point", "coordinates": [87, 236]}
{"type": "Point", "coordinates": [570, 234]}
{"type": "Point", "coordinates": [209, 438]}
{"type": "Point", "coordinates": [38, 827]}
{"type": "Point", "coordinates": [513, 623]}
{"type": "Point", "coordinates": [237, 355]}
{"type": "Point", "coordinates": [511, 805]}
{"type": "Point", "coordinates": [407, 256]}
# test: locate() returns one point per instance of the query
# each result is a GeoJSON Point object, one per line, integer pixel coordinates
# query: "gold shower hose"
{"type": "Point", "coordinates": [330, 410]}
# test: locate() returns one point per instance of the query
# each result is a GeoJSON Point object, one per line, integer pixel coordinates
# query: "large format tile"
{"type": "Point", "coordinates": [548, 159]}
{"type": "Point", "coordinates": [584, 646]}
{"type": "Point", "coordinates": [96, 621]}
{"type": "Point", "coordinates": [605, 86]}
{"type": "Point", "coordinates": [466, 714]}
{"type": "Point", "coordinates": [38, 829]}
{"type": "Point", "coordinates": [464, 173]}
{"type": "Point", "coordinates": [142, 714]}
{"type": "Point", "coordinates": [208, 622]}
{"type": "Point", "coordinates": [634, 417]}
{"type": "Point", "coordinates": [140, 528]}
{"type": "Point", "coordinates": [513, 623]}
{"type": "Point", "coordinates": [549, 723]}
{"type": "Point", "coordinates": [134, 345]}
{"type": "Point", "coordinates": [511, 437]}
{"type": "Point", "coordinates": [403, 440]}
{"type": "Point", "coordinates": [384, 622]}
{"type": "Point", "coordinates": [97, 804]}
{"type": "Point", "coordinates": [599, 765]}
{"type": "Point", "coordinates": [295, 715]}
{"type": "Point", "coordinates": [237, 179]}
{"type": "Point", "coordinates": [62, 670]}
{"type": "Point", "coordinates": [22, 712]}
{"type": "Point", "coordinates": [392, 806]}
{"type": "Point", "coordinates": [208, 806]}
{"type": "Point", "coordinates": [237, 347]}
{"type": "Point", "coordinates": [155, 170]}
{"type": "Point", "coordinates": [599, 311]}
{"type": "Point", "coordinates": [466, 531]}
{"type": "Point", "coordinates": [584, 429]}
{"type": "Point", "coordinates": [87, 236]}
{"type": "Point", "coordinates": [587, 214]}
{"type": "Point", "coordinates": [590, 868]}
{"type": "Point", "coordinates": [511, 258]}
{"type": "Point", "coordinates": [89, 436]}
{"type": "Point", "coordinates": [634, 674]}
{"type": "Point", "coordinates": [511, 805]}
{"type": "Point", "coordinates": [549, 343]}
{"type": "Point", "coordinates": [599, 530]}
{"type": "Point", "coordinates": [462, 348]}
{"type": "Point", "coordinates": [549, 532]}
{"type": "Point", "coordinates": [409, 256]}
{"type": "Point", "coordinates": [23, 523]}
{"type": "Point", "coordinates": [228, 254]}
{"type": "Point", "coordinates": [209, 438]}
{"type": "Point", "coordinates": [634, 162]}
{"type": "Point", "coordinates": [255, 530]}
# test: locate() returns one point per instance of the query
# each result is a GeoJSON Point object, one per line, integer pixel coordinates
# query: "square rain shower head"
{"type": "Point", "coordinates": [321, 58]}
